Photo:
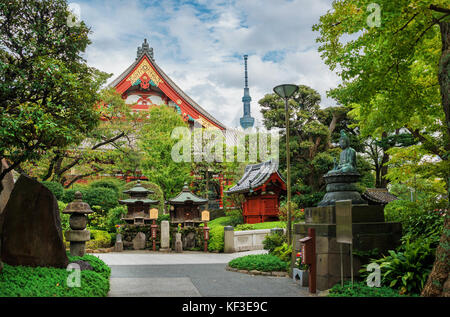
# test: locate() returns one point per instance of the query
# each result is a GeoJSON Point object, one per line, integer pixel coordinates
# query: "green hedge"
{"type": "Point", "coordinates": [260, 262]}
{"type": "Point", "coordinates": [360, 289]}
{"type": "Point", "coordinates": [111, 183]}
{"type": "Point", "coordinates": [56, 188]}
{"type": "Point", "coordinates": [99, 239]}
{"type": "Point", "coordinates": [24, 281]}
{"type": "Point", "coordinates": [105, 198]}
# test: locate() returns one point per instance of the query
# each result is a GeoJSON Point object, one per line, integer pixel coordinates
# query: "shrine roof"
{"type": "Point", "coordinates": [255, 175]}
{"type": "Point", "coordinates": [145, 201]}
{"type": "Point", "coordinates": [148, 53]}
{"type": "Point", "coordinates": [187, 197]}
{"type": "Point", "coordinates": [378, 195]}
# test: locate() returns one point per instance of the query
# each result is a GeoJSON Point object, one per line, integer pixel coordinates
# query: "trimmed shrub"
{"type": "Point", "coordinates": [114, 216]}
{"type": "Point", "coordinates": [273, 241]}
{"type": "Point", "coordinates": [260, 262]}
{"type": "Point", "coordinates": [24, 281]}
{"type": "Point", "coordinates": [111, 183]}
{"type": "Point", "coordinates": [56, 188]}
{"type": "Point", "coordinates": [216, 238]}
{"type": "Point", "coordinates": [105, 198]}
{"type": "Point", "coordinates": [99, 239]}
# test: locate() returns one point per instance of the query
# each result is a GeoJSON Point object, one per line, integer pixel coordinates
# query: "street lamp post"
{"type": "Point", "coordinates": [286, 91]}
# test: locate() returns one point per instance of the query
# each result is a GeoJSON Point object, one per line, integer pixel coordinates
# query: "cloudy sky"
{"type": "Point", "coordinates": [200, 45]}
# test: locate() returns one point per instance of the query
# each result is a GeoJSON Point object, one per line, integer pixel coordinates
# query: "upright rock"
{"type": "Point", "coordinates": [139, 241]}
{"type": "Point", "coordinates": [31, 231]}
{"type": "Point", "coordinates": [6, 188]}
{"type": "Point", "coordinates": [165, 236]}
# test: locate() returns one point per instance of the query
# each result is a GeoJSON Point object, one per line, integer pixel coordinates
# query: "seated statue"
{"type": "Point", "coordinates": [347, 159]}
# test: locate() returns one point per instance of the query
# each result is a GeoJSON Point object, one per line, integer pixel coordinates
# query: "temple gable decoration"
{"type": "Point", "coordinates": [145, 77]}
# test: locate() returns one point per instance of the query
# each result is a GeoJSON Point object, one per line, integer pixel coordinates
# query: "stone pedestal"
{"type": "Point", "coordinates": [341, 186]}
{"type": "Point", "coordinates": [77, 240]}
{"type": "Point", "coordinates": [369, 232]}
{"type": "Point", "coordinates": [165, 236]}
{"type": "Point", "coordinates": [228, 240]}
{"type": "Point", "coordinates": [178, 243]}
{"type": "Point", "coordinates": [118, 246]}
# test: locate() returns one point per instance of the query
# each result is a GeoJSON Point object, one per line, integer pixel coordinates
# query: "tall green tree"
{"type": "Point", "coordinates": [313, 131]}
{"type": "Point", "coordinates": [394, 62]}
{"type": "Point", "coordinates": [109, 148]}
{"type": "Point", "coordinates": [156, 145]}
{"type": "Point", "coordinates": [47, 91]}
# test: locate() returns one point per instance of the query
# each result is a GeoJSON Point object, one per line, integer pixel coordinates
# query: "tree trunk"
{"type": "Point", "coordinates": [438, 283]}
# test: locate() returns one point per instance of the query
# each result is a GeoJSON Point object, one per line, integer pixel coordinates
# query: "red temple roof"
{"type": "Point", "coordinates": [146, 73]}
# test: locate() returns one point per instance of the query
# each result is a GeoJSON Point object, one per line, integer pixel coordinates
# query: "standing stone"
{"type": "Point", "coordinates": [228, 240]}
{"type": "Point", "coordinates": [31, 234]}
{"type": "Point", "coordinates": [178, 243]}
{"type": "Point", "coordinates": [8, 185]}
{"type": "Point", "coordinates": [139, 241]}
{"type": "Point", "coordinates": [118, 247]}
{"type": "Point", "coordinates": [165, 236]}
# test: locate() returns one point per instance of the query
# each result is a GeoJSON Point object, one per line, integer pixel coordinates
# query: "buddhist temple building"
{"type": "Point", "coordinates": [185, 208]}
{"type": "Point", "coordinates": [261, 186]}
{"type": "Point", "coordinates": [145, 84]}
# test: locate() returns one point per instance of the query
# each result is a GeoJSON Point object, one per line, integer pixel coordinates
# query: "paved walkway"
{"type": "Point", "coordinates": [190, 274]}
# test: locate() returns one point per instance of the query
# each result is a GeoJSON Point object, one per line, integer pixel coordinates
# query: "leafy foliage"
{"type": "Point", "coordinates": [407, 270]}
{"type": "Point", "coordinates": [23, 281]}
{"type": "Point", "coordinates": [47, 91]}
{"type": "Point", "coordinates": [260, 262]}
{"type": "Point", "coordinates": [55, 188]}
{"type": "Point", "coordinates": [417, 219]}
{"type": "Point", "coordinates": [360, 289]}
{"type": "Point", "coordinates": [283, 252]}
{"type": "Point", "coordinates": [156, 144]}
{"type": "Point", "coordinates": [99, 239]}
{"type": "Point", "coordinates": [273, 241]}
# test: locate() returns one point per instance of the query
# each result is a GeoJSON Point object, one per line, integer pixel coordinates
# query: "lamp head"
{"type": "Point", "coordinates": [285, 90]}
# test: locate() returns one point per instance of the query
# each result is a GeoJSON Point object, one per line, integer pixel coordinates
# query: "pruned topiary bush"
{"type": "Point", "coordinates": [259, 262]}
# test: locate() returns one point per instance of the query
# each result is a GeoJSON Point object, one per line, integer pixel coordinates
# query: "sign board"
{"type": "Point", "coordinates": [153, 213]}
{"type": "Point", "coordinates": [344, 232]}
{"type": "Point", "coordinates": [205, 215]}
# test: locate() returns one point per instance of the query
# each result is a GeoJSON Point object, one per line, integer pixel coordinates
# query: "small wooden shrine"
{"type": "Point", "coordinates": [185, 208]}
{"type": "Point", "coordinates": [138, 205]}
{"type": "Point", "coordinates": [261, 186]}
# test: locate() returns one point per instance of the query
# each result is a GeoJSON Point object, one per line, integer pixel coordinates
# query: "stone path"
{"type": "Point", "coordinates": [190, 274]}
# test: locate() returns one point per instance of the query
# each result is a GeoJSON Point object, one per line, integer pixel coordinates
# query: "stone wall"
{"type": "Point", "coordinates": [369, 232]}
{"type": "Point", "coordinates": [250, 239]}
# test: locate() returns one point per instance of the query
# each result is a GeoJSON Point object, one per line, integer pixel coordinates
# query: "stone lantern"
{"type": "Point", "coordinates": [78, 236]}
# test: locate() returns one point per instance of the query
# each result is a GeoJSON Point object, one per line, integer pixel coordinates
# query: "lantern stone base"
{"type": "Point", "coordinates": [369, 232]}
{"type": "Point", "coordinates": [77, 239]}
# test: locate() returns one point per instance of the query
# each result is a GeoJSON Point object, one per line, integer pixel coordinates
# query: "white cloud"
{"type": "Point", "coordinates": [200, 46]}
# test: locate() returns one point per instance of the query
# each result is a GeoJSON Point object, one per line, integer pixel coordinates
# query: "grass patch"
{"type": "Point", "coordinates": [25, 281]}
{"type": "Point", "coordinates": [360, 289]}
{"type": "Point", "coordinates": [260, 262]}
